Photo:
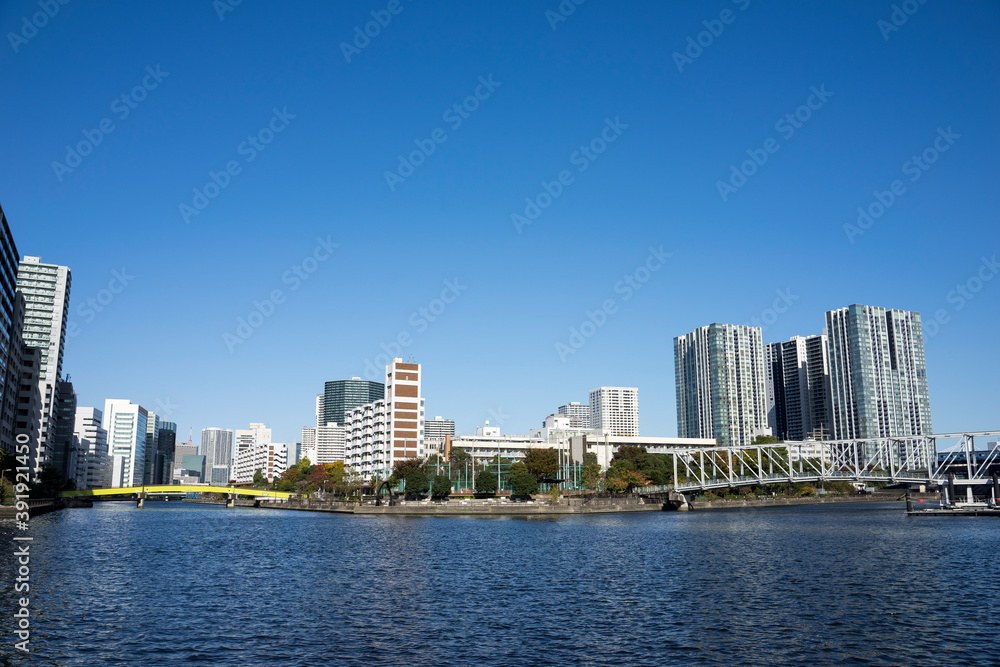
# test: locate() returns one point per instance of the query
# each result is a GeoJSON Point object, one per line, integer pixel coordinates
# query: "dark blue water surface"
{"type": "Point", "coordinates": [187, 584]}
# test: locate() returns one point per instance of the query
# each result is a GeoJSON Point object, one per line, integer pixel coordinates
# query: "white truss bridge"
{"type": "Point", "coordinates": [927, 459]}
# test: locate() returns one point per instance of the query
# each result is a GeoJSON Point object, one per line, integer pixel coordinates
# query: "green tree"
{"type": "Point", "coordinates": [417, 484]}
{"type": "Point", "coordinates": [6, 492]}
{"type": "Point", "coordinates": [590, 475]}
{"type": "Point", "coordinates": [653, 467]}
{"type": "Point", "coordinates": [403, 469]}
{"type": "Point", "coordinates": [350, 483]}
{"type": "Point", "coordinates": [459, 456]}
{"type": "Point", "coordinates": [486, 482]}
{"type": "Point", "coordinates": [523, 484]}
{"type": "Point", "coordinates": [441, 488]}
{"type": "Point", "coordinates": [765, 440]}
{"type": "Point", "coordinates": [542, 463]}
{"type": "Point", "coordinates": [258, 478]}
{"type": "Point", "coordinates": [629, 453]}
{"type": "Point", "coordinates": [620, 478]}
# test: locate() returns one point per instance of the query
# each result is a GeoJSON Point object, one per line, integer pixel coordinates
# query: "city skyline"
{"type": "Point", "coordinates": [473, 263]}
{"type": "Point", "coordinates": [384, 301]}
{"type": "Point", "coordinates": [473, 426]}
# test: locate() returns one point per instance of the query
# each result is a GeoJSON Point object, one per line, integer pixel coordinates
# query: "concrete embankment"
{"type": "Point", "coordinates": [40, 506]}
{"type": "Point", "coordinates": [505, 509]}
{"type": "Point", "coordinates": [461, 507]}
{"type": "Point", "coordinates": [567, 506]}
{"type": "Point", "coordinates": [240, 502]}
{"type": "Point", "coordinates": [807, 500]}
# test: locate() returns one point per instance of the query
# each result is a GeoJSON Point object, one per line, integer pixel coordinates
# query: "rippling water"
{"type": "Point", "coordinates": [178, 585]}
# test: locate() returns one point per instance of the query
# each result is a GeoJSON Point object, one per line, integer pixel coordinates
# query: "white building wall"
{"type": "Point", "coordinates": [270, 458]}
{"type": "Point", "coordinates": [331, 442]}
{"type": "Point", "coordinates": [483, 448]}
{"type": "Point", "coordinates": [615, 410]}
{"type": "Point", "coordinates": [383, 432]}
{"type": "Point", "coordinates": [579, 414]}
{"type": "Point", "coordinates": [125, 423]}
{"type": "Point", "coordinates": [308, 445]}
{"type": "Point", "coordinates": [93, 464]}
{"type": "Point", "coordinates": [46, 289]}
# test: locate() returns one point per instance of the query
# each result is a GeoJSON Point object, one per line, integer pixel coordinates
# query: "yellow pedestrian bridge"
{"type": "Point", "coordinates": [141, 492]}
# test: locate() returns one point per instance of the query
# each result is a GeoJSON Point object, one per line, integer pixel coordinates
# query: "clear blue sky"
{"type": "Point", "coordinates": [492, 352]}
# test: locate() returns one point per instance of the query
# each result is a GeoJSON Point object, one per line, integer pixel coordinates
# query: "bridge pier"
{"type": "Point", "coordinates": [141, 502]}
{"type": "Point", "coordinates": [231, 501]}
{"type": "Point", "coordinates": [683, 504]}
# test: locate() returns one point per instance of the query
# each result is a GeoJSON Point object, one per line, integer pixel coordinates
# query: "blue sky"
{"type": "Point", "coordinates": [327, 131]}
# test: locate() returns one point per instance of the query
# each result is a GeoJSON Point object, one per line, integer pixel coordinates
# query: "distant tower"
{"type": "Point", "coordinates": [720, 383]}
{"type": "Point", "coordinates": [340, 397]}
{"type": "Point", "coordinates": [797, 383]}
{"type": "Point", "coordinates": [615, 411]}
{"type": "Point", "coordinates": [878, 374]}
{"type": "Point", "coordinates": [45, 288]}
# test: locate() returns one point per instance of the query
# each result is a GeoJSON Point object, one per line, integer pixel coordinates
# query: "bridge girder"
{"type": "Point", "coordinates": [174, 489]}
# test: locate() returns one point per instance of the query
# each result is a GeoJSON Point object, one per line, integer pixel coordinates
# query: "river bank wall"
{"type": "Point", "coordinates": [749, 503]}
{"type": "Point", "coordinates": [567, 506]}
{"type": "Point", "coordinates": [465, 507]}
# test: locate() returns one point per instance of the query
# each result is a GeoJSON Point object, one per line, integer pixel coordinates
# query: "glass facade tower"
{"type": "Point", "coordinates": [878, 373]}
{"type": "Point", "coordinates": [340, 397]}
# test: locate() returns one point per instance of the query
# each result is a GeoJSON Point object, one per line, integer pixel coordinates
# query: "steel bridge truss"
{"type": "Point", "coordinates": [895, 460]}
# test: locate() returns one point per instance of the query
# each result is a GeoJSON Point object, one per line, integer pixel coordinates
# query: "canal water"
{"type": "Point", "coordinates": [189, 584]}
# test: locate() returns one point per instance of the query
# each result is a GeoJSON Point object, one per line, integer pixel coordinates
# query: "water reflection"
{"type": "Point", "coordinates": [175, 585]}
